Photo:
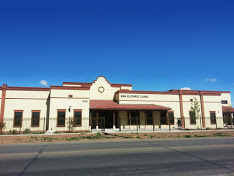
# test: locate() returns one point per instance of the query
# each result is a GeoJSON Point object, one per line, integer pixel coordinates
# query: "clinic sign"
{"type": "Point", "coordinates": [132, 96]}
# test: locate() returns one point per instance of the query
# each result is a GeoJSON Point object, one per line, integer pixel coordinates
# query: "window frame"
{"type": "Point", "coordinates": [77, 110]}
{"type": "Point", "coordinates": [173, 117]}
{"type": "Point", "coordinates": [163, 117]}
{"type": "Point", "coordinates": [215, 118]}
{"type": "Point", "coordinates": [149, 118]}
{"type": "Point", "coordinates": [131, 120]}
{"type": "Point", "coordinates": [38, 120]}
{"type": "Point", "coordinates": [191, 123]}
{"type": "Point", "coordinates": [21, 121]}
{"type": "Point", "coordinates": [61, 110]}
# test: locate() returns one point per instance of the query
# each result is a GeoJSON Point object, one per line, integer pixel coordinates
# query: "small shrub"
{"type": "Point", "coordinates": [187, 136]}
{"type": "Point", "coordinates": [98, 135]}
{"type": "Point", "coordinates": [138, 137]}
{"type": "Point", "coordinates": [13, 132]}
{"type": "Point", "coordinates": [151, 137]}
{"type": "Point", "coordinates": [27, 131]}
{"type": "Point", "coordinates": [207, 128]}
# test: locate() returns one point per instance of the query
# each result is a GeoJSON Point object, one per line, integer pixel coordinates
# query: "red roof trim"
{"type": "Point", "coordinates": [175, 92]}
{"type": "Point", "coordinates": [69, 88]}
{"type": "Point", "coordinates": [111, 105]}
{"type": "Point", "coordinates": [29, 88]}
{"type": "Point", "coordinates": [227, 109]}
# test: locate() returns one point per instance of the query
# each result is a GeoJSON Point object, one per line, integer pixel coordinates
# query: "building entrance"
{"type": "Point", "coordinates": [103, 119]}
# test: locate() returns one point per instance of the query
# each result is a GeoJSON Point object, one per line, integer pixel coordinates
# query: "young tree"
{"type": "Point", "coordinates": [195, 107]}
{"type": "Point", "coordinates": [71, 125]}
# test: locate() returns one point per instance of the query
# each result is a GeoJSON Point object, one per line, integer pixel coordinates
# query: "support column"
{"type": "Point", "coordinates": [181, 109]}
{"type": "Point", "coordinates": [97, 121]}
{"type": "Point", "coordinates": [145, 116]}
{"type": "Point", "coordinates": [113, 120]}
{"type": "Point", "coordinates": [168, 121]}
{"type": "Point", "coordinates": [153, 120]}
{"type": "Point", "coordinates": [202, 110]}
{"type": "Point", "coordinates": [130, 119]}
{"type": "Point", "coordinates": [4, 87]}
{"type": "Point", "coordinates": [90, 121]}
{"type": "Point", "coordinates": [119, 122]}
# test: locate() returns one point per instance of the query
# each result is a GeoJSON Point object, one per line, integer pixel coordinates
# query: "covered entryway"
{"type": "Point", "coordinates": [103, 119]}
{"type": "Point", "coordinates": [109, 114]}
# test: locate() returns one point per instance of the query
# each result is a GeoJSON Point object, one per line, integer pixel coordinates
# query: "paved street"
{"type": "Point", "coordinates": [205, 156]}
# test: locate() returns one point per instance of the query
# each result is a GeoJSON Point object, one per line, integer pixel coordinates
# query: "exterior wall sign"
{"type": "Point", "coordinates": [134, 96]}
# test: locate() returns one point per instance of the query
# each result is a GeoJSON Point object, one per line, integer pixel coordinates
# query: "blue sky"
{"type": "Point", "coordinates": [155, 45]}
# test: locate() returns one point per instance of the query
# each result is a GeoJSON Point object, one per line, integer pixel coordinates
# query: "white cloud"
{"type": "Point", "coordinates": [211, 80]}
{"type": "Point", "coordinates": [185, 88]}
{"type": "Point", "coordinates": [43, 82]}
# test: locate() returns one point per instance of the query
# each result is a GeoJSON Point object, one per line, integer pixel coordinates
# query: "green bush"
{"type": "Point", "coordinates": [27, 131]}
{"type": "Point", "coordinates": [13, 132]}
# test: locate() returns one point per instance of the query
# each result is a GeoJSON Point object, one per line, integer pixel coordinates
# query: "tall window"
{"type": "Point", "coordinates": [134, 118]}
{"type": "Point", "coordinates": [171, 117]}
{"type": "Point", "coordinates": [149, 117]}
{"type": "Point", "coordinates": [163, 118]}
{"type": "Point", "coordinates": [212, 117]}
{"type": "Point", "coordinates": [35, 118]}
{"type": "Point", "coordinates": [77, 117]}
{"type": "Point", "coordinates": [61, 118]}
{"type": "Point", "coordinates": [192, 117]}
{"type": "Point", "coordinates": [18, 118]}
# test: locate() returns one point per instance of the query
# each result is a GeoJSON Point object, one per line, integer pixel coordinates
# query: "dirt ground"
{"type": "Point", "coordinates": [17, 139]}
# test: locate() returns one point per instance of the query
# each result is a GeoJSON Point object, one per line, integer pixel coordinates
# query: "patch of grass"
{"type": "Point", "coordinates": [72, 139]}
{"type": "Point", "coordinates": [197, 136]}
{"type": "Point", "coordinates": [221, 135]}
{"type": "Point", "coordinates": [187, 136]}
{"type": "Point", "coordinates": [49, 139]}
{"type": "Point", "coordinates": [145, 135]}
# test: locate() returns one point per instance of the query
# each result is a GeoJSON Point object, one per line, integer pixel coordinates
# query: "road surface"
{"type": "Point", "coordinates": [200, 156]}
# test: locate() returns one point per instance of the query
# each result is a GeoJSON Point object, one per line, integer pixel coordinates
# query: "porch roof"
{"type": "Point", "coordinates": [111, 105]}
{"type": "Point", "coordinates": [227, 109]}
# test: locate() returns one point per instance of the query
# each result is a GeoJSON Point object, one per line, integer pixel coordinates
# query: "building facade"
{"type": "Point", "coordinates": [101, 104]}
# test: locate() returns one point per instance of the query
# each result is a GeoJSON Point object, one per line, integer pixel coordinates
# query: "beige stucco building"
{"type": "Point", "coordinates": [101, 104]}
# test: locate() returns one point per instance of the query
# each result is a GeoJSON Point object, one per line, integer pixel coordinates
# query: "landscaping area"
{"type": "Point", "coordinates": [39, 138]}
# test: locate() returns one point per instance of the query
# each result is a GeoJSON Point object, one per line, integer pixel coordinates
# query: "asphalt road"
{"type": "Point", "coordinates": [206, 156]}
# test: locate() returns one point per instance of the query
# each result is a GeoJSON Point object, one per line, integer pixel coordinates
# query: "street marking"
{"type": "Point", "coordinates": [113, 150]}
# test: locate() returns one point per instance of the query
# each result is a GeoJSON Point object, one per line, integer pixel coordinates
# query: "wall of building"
{"type": "Point", "coordinates": [107, 94]}
{"type": "Point", "coordinates": [26, 101]}
{"type": "Point", "coordinates": [60, 100]}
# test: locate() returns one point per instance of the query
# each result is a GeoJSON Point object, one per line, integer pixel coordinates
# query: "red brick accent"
{"type": "Point", "coordinates": [4, 87]}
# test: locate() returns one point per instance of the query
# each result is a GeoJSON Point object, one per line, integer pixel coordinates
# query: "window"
{"type": "Point", "coordinates": [135, 118]}
{"type": "Point", "coordinates": [192, 117]}
{"type": "Point", "coordinates": [191, 99]}
{"type": "Point", "coordinates": [171, 117]}
{"type": "Point", "coordinates": [77, 117]}
{"type": "Point", "coordinates": [212, 117]}
{"type": "Point", "coordinates": [70, 96]}
{"type": "Point", "coordinates": [61, 118]}
{"type": "Point", "coordinates": [224, 102]}
{"type": "Point", "coordinates": [149, 117]}
{"type": "Point", "coordinates": [18, 118]}
{"type": "Point", "coordinates": [35, 118]}
{"type": "Point", "coordinates": [163, 118]}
